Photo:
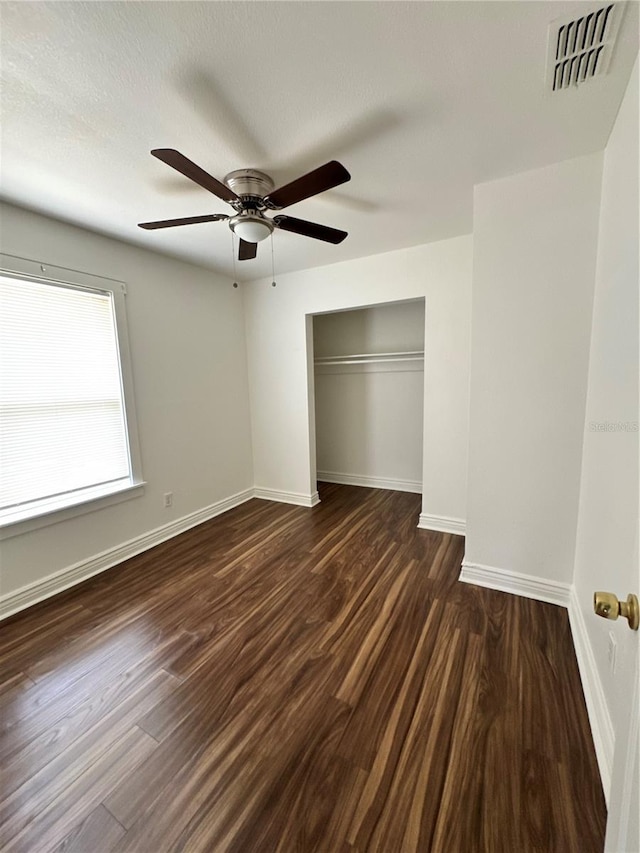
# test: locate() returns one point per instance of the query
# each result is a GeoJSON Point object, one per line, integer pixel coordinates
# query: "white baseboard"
{"type": "Point", "coordinates": [370, 482]}
{"type": "Point", "coordinates": [528, 586]}
{"type": "Point", "coordinates": [601, 726]}
{"type": "Point", "coordinates": [31, 594]}
{"type": "Point", "coordinates": [297, 498]}
{"type": "Point", "coordinates": [442, 523]}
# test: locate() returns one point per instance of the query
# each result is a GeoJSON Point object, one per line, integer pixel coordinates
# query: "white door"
{"type": "Point", "coordinates": [623, 825]}
{"type": "Point", "coordinates": [607, 541]}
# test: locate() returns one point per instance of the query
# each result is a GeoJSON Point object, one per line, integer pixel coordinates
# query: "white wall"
{"type": "Point", "coordinates": [395, 327]}
{"type": "Point", "coordinates": [607, 537]}
{"type": "Point", "coordinates": [535, 238]}
{"type": "Point", "coordinates": [369, 416]}
{"type": "Point", "coordinates": [189, 368]}
{"type": "Point", "coordinates": [277, 343]}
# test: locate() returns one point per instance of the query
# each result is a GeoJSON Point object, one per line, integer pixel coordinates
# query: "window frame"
{"type": "Point", "coordinates": [14, 522]}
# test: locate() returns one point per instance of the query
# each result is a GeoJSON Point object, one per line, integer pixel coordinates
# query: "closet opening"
{"type": "Point", "coordinates": [367, 396]}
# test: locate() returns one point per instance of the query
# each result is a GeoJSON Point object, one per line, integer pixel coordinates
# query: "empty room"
{"type": "Point", "coordinates": [319, 370]}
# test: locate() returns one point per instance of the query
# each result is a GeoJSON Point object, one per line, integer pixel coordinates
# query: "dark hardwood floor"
{"type": "Point", "coordinates": [286, 679]}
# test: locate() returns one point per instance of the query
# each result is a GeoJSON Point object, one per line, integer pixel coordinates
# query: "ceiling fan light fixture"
{"type": "Point", "coordinates": [251, 228]}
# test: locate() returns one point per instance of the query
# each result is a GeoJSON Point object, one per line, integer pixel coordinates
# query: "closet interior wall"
{"type": "Point", "coordinates": [369, 391]}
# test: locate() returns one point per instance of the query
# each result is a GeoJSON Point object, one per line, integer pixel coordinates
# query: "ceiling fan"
{"type": "Point", "coordinates": [251, 193]}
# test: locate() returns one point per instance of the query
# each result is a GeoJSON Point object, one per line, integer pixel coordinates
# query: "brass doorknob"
{"type": "Point", "coordinates": [606, 604]}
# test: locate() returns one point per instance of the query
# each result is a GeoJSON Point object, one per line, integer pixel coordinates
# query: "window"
{"type": "Point", "coordinates": [67, 426]}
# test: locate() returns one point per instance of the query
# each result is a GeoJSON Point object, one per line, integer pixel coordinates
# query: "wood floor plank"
{"type": "Point", "coordinates": [455, 822]}
{"type": "Point", "coordinates": [291, 680]}
{"type": "Point", "coordinates": [99, 831]}
{"type": "Point", "coordinates": [39, 823]}
{"type": "Point", "coordinates": [27, 628]}
{"type": "Point", "coordinates": [20, 802]}
{"type": "Point", "coordinates": [413, 751]}
{"type": "Point", "coordinates": [370, 650]}
{"type": "Point", "coordinates": [125, 698]}
{"type": "Point", "coordinates": [13, 689]}
{"type": "Point", "coordinates": [233, 769]}
{"type": "Point", "coordinates": [352, 619]}
{"type": "Point", "coordinates": [46, 705]}
{"type": "Point", "coordinates": [294, 813]}
{"type": "Point", "coordinates": [16, 655]}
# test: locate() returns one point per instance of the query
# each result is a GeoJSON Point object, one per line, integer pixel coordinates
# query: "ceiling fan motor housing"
{"type": "Point", "coordinates": [251, 185]}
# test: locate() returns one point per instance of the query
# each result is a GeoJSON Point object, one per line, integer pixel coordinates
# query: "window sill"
{"type": "Point", "coordinates": [17, 522]}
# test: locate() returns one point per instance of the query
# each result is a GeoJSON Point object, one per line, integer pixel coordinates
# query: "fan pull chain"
{"type": "Point", "coordinates": [273, 266]}
{"type": "Point", "coordinates": [233, 260]}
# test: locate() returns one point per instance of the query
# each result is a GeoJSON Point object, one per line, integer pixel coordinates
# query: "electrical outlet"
{"type": "Point", "coordinates": [611, 652]}
{"type": "Point", "coordinates": [168, 499]}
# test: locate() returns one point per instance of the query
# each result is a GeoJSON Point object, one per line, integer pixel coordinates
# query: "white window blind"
{"type": "Point", "coordinates": [62, 417]}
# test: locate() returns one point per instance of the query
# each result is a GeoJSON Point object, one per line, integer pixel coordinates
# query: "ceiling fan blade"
{"type": "Point", "coordinates": [324, 178]}
{"type": "Point", "coordinates": [309, 229]}
{"type": "Point", "coordinates": [247, 251]}
{"type": "Point", "coordinates": [189, 220]}
{"type": "Point", "coordinates": [183, 165]}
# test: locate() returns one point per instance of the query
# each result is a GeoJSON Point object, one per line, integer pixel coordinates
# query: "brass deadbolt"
{"type": "Point", "coordinates": [606, 604]}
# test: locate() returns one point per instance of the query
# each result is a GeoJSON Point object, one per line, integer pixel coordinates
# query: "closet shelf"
{"type": "Point", "coordinates": [371, 358]}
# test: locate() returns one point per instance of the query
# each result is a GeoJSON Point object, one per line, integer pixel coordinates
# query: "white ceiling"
{"type": "Point", "coordinates": [419, 100]}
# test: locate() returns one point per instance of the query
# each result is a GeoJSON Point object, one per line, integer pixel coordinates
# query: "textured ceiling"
{"type": "Point", "coordinates": [419, 100]}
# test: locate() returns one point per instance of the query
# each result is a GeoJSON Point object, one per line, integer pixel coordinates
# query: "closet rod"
{"type": "Point", "coordinates": [371, 358]}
